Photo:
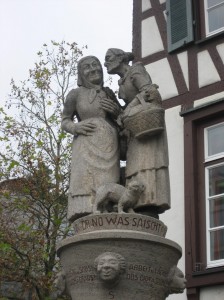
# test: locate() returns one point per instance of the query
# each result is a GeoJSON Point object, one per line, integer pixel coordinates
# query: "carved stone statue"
{"type": "Point", "coordinates": [115, 227]}
{"type": "Point", "coordinates": [176, 281]}
{"type": "Point", "coordinates": [95, 149]}
{"type": "Point", "coordinates": [59, 286]}
{"type": "Point", "coordinates": [144, 126]}
{"type": "Point", "coordinates": [110, 195]}
{"type": "Point", "coordinates": [110, 266]}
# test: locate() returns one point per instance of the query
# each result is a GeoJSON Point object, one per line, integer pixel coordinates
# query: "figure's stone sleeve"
{"type": "Point", "coordinates": [140, 77]}
{"type": "Point", "coordinates": [69, 112]}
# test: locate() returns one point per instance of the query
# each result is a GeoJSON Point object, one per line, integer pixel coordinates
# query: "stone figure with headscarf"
{"type": "Point", "coordinates": [95, 148]}
{"type": "Point", "coordinates": [144, 125]}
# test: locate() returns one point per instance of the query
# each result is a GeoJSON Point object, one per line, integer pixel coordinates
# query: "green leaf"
{"type": "Point", "coordinates": [57, 221]}
{"type": "Point", "coordinates": [62, 135]}
{"type": "Point", "coordinates": [5, 247]}
{"type": "Point", "coordinates": [40, 143]}
{"type": "Point", "coordinates": [13, 164]}
{"type": "Point", "coordinates": [24, 227]}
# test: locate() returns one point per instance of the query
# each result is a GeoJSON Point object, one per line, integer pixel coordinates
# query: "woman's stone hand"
{"type": "Point", "coordinates": [110, 106]}
{"type": "Point", "coordinates": [85, 128]}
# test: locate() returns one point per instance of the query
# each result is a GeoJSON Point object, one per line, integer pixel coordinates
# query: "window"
{"type": "Point", "coordinates": [214, 142]}
{"type": "Point", "coordinates": [214, 12]}
{"type": "Point", "coordinates": [189, 20]}
{"type": "Point", "coordinates": [214, 185]}
{"type": "Point", "coordinates": [204, 196]}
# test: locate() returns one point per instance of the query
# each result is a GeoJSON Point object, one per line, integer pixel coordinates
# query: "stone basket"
{"type": "Point", "coordinates": [146, 123]}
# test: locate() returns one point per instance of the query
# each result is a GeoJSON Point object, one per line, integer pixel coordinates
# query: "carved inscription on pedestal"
{"type": "Point", "coordinates": [81, 274]}
{"type": "Point", "coordinates": [139, 274]}
{"type": "Point", "coordinates": [146, 274]}
{"type": "Point", "coordinates": [120, 221]}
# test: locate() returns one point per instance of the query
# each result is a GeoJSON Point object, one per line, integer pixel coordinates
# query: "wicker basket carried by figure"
{"type": "Point", "coordinates": [146, 123]}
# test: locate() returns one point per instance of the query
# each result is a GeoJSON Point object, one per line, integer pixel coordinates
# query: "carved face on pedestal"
{"type": "Point", "coordinates": [178, 282]}
{"type": "Point", "coordinates": [109, 266]}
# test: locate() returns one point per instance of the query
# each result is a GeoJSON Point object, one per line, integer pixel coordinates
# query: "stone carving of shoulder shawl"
{"type": "Point", "coordinates": [133, 82]}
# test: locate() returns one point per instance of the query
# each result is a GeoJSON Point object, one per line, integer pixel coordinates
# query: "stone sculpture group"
{"type": "Point", "coordinates": [106, 133]}
{"type": "Point", "coordinates": [96, 152]}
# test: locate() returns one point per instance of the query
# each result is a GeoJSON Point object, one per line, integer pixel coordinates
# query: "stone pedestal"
{"type": "Point", "coordinates": [147, 257]}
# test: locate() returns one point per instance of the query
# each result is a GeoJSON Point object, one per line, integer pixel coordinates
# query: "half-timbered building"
{"type": "Point", "coordinates": [181, 43]}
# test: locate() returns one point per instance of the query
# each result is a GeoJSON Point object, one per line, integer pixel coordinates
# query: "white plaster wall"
{"type": "Point", "coordinates": [220, 49]}
{"type": "Point", "coordinates": [151, 39]}
{"type": "Point", "coordinates": [174, 218]}
{"type": "Point", "coordinates": [161, 74]}
{"type": "Point", "coordinates": [207, 73]}
{"type": "Point", "coordinates": [165, 15]}
{"type": "Point", "coordinates": [209, 99]}
{"type": "Point", "coordinates": [214, 293]}
{"type": "Point", "coordinates": [146, 4]}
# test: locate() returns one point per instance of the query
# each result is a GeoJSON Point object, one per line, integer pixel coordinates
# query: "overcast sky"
{"type": "Point", "coordinates": [25, 25]}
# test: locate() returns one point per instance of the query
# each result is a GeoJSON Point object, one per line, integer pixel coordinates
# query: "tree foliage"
{"type": "Point", "coordinates": [34, 167]}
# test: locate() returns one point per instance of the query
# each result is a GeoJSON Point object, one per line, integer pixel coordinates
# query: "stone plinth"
{"type": "Point", "coordinates": [148, 259]}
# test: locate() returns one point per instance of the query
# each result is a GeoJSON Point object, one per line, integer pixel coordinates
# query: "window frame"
{"type": "Point", "coordinates": [211, 158]}
{"type": "Point", "coordinates": [214, 156]}
{"type": "Point", "coordinates": [197, 273]}
{"type": "Point", "coordinates": [220, 262]}
{"type": "Point", "coordinates": [206, 12]}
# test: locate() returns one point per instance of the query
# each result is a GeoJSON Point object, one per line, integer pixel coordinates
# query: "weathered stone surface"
{"type": "Point", "coordinates": [135, 222]}
{"type": "Point", "coordinates": [110, 266]}
{"type": "Point", "coordinates": [149, 259]}
{"type": "Point", "coordinates": [177, 281]}
{"type": "Point", "coordinates": [144, 125]}
{"type": "Point", "coordinates": [115, 197]}
{"type": "Point", "coordinates": [95, 148]}
{"type": "Point", "coordinates": [119, 250]}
